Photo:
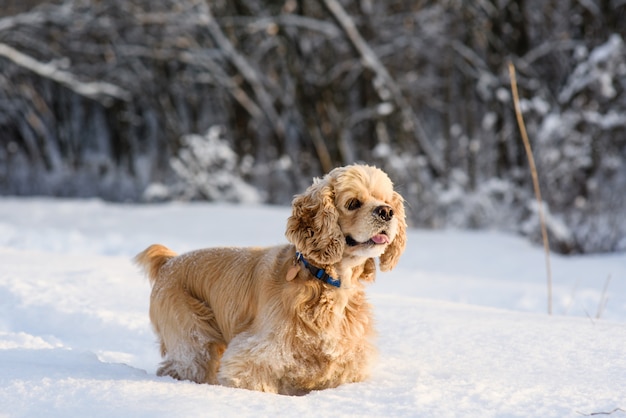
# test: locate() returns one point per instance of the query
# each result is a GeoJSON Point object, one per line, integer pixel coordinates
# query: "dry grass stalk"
{"type": "Point", "coordinates": [533, 171]}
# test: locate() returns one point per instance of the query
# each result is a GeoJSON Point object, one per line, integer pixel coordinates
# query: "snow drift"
{"type": "Point", "coordinates": [462, 328]}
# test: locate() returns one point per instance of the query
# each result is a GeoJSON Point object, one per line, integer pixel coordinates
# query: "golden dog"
{"type": "Point", "coordinates": [286, 319]}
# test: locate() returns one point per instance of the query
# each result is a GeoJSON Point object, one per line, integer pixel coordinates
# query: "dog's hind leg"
{"type": "Point", "coordinates": [191, 342]}
{"type": "Point", "coordinates": [199, 367]}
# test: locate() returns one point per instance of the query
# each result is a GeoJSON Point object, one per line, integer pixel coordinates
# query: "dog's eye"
{"type": "Point", "coordinates": [353, 204]}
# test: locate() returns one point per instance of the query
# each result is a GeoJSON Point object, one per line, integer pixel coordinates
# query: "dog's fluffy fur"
{"type": "Point", "coordinates": [255, 318]}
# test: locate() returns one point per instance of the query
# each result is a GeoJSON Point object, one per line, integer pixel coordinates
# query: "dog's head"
{"type": "Point", "coordinates": [353, 211]}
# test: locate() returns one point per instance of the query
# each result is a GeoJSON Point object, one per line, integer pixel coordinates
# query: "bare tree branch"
{"type": "Point", "coordinates": [386, 85]}
{"type": "Point", "coordinates": [254, 24]}
{"type": "Point", "coordinates": [244, 68]}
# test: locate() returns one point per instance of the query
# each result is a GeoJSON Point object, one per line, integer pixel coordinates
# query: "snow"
{"type": "Point", "coordinates": [461, 321]}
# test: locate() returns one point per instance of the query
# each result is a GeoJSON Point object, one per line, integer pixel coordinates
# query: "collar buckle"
{"type": "Point", "coordinates": [317, 272]}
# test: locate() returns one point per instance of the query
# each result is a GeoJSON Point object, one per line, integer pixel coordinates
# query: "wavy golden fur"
{"type": "Point", "coordinates": [256, 318]}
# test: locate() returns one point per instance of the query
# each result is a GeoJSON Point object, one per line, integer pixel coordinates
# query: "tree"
{"type": "Point", "coordinates": [98, 98]}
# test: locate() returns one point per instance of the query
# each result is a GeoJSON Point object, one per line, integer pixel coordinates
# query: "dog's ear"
{"type": "Point", "coordinates": [313, 225]}
{"type": "Point", "coordinates": [391, 256]}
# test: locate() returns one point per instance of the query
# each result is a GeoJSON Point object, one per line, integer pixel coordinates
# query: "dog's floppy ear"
{"type": "Point", "coordinates": [390, 257]}
{"type": "Point", "coordinates": [313, 225]}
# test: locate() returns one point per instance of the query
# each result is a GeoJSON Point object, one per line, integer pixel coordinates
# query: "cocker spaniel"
{"type": "Point", "coordinates": [287, 319]}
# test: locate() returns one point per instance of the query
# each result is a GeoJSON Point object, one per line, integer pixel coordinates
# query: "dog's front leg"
{"type": "Point", "coordinates": [251, 362]}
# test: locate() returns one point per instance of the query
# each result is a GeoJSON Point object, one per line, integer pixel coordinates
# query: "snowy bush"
{"type": "Point", "coordinates": [209, 169]}
{"type": "Point", "coordinates": [490, 205]}
{"type": "Point", "coordinates": [581, 148]}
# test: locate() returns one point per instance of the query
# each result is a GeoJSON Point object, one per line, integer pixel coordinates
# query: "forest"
{"type": "Point", "coordinates": [247, 100]}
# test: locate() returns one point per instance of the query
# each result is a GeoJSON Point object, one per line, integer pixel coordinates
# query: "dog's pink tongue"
{"type": "Point", "coordinates": [380, 239]}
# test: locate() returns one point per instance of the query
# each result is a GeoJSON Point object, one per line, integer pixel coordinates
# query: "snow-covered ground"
{"type": "Point", "coordinates": [463, 329]}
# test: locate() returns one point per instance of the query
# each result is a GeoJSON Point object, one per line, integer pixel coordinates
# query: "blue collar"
{"type": "Point", "coordinates": [318, 272]}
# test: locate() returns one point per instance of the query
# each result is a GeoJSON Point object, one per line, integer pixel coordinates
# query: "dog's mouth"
{"type": "Point", "coordinates": [379, 239]}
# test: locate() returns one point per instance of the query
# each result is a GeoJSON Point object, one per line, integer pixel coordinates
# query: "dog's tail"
{"type": "Point", "coordinates": [152, 259]}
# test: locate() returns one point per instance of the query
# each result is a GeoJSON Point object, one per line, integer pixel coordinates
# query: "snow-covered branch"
{"type": "Point", "coordinates": [96, 90]}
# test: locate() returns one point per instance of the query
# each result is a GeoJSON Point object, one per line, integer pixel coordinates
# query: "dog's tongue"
{"type": "Point", "coordinates": [380, 239]}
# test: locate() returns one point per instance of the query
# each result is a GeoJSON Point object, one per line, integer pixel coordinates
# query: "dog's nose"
{"type": "Point", "coordinates": [384, 212]}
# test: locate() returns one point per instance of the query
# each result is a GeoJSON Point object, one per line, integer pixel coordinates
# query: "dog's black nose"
{"type": "Point", "coordinates": [384, 212]}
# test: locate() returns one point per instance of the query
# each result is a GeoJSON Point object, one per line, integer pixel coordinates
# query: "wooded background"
{"type": "Point", "coordinates": [247, 100]}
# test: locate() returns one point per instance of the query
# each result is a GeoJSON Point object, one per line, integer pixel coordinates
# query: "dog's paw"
{"type": "Point", "coordinates": [180, 371]}
{"type": "Point", "coordinates": [251, 380]}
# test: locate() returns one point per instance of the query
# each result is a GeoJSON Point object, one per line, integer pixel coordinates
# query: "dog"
{"type": "Point", "coordinates": [287, 319]}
